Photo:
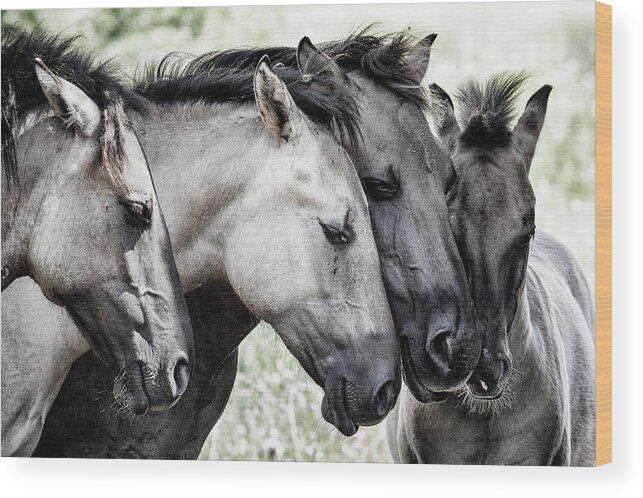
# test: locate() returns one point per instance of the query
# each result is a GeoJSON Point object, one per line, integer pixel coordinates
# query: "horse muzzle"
{"type": "Point", "coordinates": [347, 405]}
{"type": "Point", "coordinates": [490, 377]}
{"type": "Point", "coordinates": [150, 385]}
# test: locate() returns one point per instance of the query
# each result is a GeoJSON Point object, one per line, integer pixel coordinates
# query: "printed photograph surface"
{"type": "Point", "coordinates": [331, 233]}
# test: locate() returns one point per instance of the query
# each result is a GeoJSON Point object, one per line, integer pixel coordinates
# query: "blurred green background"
{"type": "Point", "coordinates": [274, 411]}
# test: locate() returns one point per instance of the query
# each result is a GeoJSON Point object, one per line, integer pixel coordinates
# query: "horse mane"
{"type": "Point", "coordinates": [487, 109]}
{"type": "Point", "coordinates": [382, 58]}
{"type": "Point", "coordinates": [213, 78]}
{"type": "Point", "coordinates": [21, 90]}
{"type": "Point", "coordinates": [227, 76]}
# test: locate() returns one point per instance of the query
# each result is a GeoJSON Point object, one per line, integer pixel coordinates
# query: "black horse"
{"type": "Point", "coordinates": [530, 401]}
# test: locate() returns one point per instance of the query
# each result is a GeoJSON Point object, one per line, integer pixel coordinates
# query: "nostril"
{"type": "Point", "coordinates": [384, 398]}
{"type": "Point", "coordinates": [491, 377]}
{"type": "Point", "coordinates": [439, 350]}
{"type": "Point", "coordinates": [181, 375]}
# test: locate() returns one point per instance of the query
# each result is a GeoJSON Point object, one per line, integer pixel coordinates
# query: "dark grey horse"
{"type": "Point", "coordinates": [530, 401]}
{"type": "Point", "coordinates": [269, 222]}
{"type": "Point", "coordinates": [405, 173]}
{"type": "Point", "coordinates": [80, 217]}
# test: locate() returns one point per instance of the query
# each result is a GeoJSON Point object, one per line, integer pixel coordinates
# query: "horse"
{"type": "Point", "coordinates": [80, 217]}
{"type": "Point", "coordinates": [530, 400]}
{"type": "Point", "coordinates": [405, 173]}
{"type": "Point", "coordinates": [405, 187]}
{"type": "Point", "coordinates": [268, 219]}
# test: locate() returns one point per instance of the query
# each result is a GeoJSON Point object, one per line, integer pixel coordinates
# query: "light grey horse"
{"type": "Point", "coordinates": [81, 218]}
{"type": "Point", "coordinates": [265, 209]}
{"type": "Point", "coordinates": [530, 401]}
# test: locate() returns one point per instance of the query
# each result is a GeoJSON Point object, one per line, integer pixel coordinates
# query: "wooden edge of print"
{"type": "Point", "coordinates": [603, 233]}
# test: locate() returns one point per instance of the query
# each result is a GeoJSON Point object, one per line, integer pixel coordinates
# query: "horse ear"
{"type": "Point", "coordinates": [68, 102]}
{"type": "Point", "coordinates": [312, 61]}
{"type": "Point", "coordinates": [527, 130]}
{"type": "Point", "coordinates": [305, 51]}
{"type": "Point", "coordinates": [444, 118]}
{"type": "Point", "coordinates": [276, 107]}
{"type": "Point", "coordinates": [418, 58]}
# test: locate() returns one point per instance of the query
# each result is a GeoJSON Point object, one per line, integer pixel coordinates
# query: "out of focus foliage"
{"type": "Point", "coordinates": [274, 411]}
{"type": "Point", "coordinates": [108, 25]}
{"type": "Point", "coordinates": [578, 136]}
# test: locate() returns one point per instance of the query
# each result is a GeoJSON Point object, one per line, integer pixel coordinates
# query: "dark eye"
{"type": "Point", "coordinates": [138, 213]}
{"type": "Point", "coordinates": [380, 190]}
{"type": "Point", "coordinates": [335, 235]}
{"type": "Point", "coordinates": [527, 238]}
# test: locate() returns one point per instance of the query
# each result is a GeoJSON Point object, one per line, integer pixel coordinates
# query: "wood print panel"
{"type": "Point", "coordinates": [603, 234]}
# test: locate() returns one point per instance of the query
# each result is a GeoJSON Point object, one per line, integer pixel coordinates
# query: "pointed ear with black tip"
{"type": "Point", "coordinates": [277, 108]}
{"type": "Point", "coordinates": [418, 58]}
{"type": "Point", "coordinates": [443, 113]}
{"type": "Point", "coordinates": [69, 102]}
{"type": "Point", "coordinates": [527, 130]}
{"type": "Point", "coordinates": [313, 62]}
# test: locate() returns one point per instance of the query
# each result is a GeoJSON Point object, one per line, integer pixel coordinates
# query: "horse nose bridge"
{"type": "Point", "coordinates": [375, 333]}
{"type": "Point", "coordinates": [151, 271]}
{"type": "Point", "coordinates": [439, 253]}
{"type": "Point", "coordinates": [495, 339]}
{"type": "Point", "coordinates": [366, 312]}
{"type": "Point", "coordinates": [495, 345]}
{"type": "Point", "coordinates": [485, 288]}
{"type": "Point", "coordinates": [444, 308]}
{"type": "Point", "coordinates": [157, 305]}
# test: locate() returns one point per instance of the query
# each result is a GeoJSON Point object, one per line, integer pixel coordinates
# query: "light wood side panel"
{"type": "Point", "coordinates": [603, 234]}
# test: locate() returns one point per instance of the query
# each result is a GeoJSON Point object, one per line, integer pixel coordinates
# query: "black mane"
{"type": "Point", "coordinates": [487, 109]}
{"type": "Point", "coordinates": [384, 59]}
{"type": "Point", "coordinates": [177, 78]}
{"type": "Point", "coordinates": [227, 76]}
{"type": "Point", "coordinates": [22, 92]}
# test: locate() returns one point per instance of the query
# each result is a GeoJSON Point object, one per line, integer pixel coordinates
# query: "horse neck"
{"type": "Point", "coordinates": [20, 204]}
{"type": "Point", "coordinates": [202, 158]}
{"type": "Point", "coordinates": [220, 321]}
{"type": "Point", "coordinates": [15, 239]}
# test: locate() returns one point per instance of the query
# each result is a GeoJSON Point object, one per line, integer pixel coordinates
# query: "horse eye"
{"type": "Point", "coordinates": [527, 238]}
{"type": "Point", "coordinates": [336, 236]}
{"type": "Point", "coordinates": [138, 213]}
{"type": "Point", "coordinates": [379, 189]}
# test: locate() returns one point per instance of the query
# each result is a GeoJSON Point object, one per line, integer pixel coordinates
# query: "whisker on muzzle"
{"type": "Point", "coordinates": [491, 407]}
